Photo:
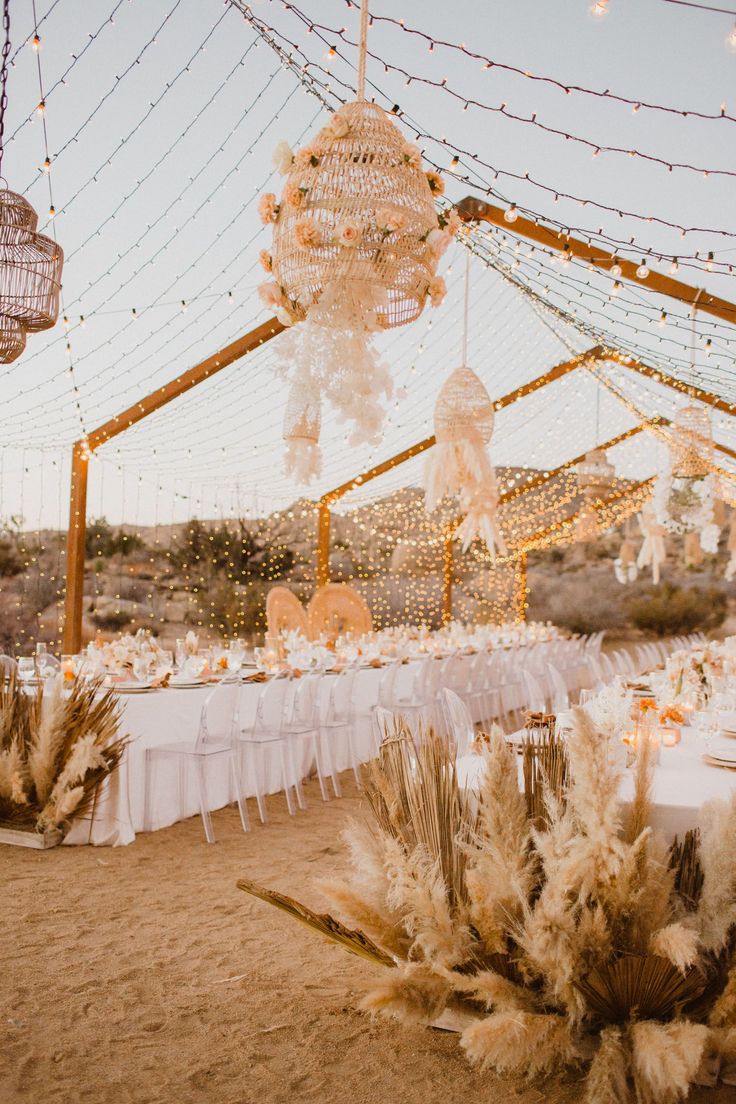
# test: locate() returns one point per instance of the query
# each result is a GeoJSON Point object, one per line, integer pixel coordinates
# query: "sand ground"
{"type": "Point", "coordinates": [142, 975]}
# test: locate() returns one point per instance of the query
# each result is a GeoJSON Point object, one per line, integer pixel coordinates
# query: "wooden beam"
{"type": "Point", "coordinates": [522, 588]}
{"type": "Point", "coordinates": [569, 522]}
{"type": "Point", "coordinates": [555, 373]}
{"type": "Point", "coordinates": [183, 383]}
{"type": "Point", "coordinates": [323, 545]}
{"type": "Point", "coordinates": [657, 374]}
{"type": "Point", "coordinates": [471, 209]}
{"type": "Point", "coordinates": [75, 541]}
{"type": "Point", "coordinates": [136, 413]}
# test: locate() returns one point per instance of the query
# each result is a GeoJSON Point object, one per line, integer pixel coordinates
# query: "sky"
{"type": "Point", "coordinates": [161, 116]}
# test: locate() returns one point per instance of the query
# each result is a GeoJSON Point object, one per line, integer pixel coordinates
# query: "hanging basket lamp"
{"type": "Point", "coordinates": [692, 443]}
{"type": "Point", "coordinates": [463, 427]}
{"type": "Point", "coordinates": [595, 474]}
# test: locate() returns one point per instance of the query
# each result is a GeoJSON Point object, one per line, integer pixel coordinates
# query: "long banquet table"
{"type": "Point", "coordinates": [683, 783]}
{"type": "Point", "coordinates": [165, 716]}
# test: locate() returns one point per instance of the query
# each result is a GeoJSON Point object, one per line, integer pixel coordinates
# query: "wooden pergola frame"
{"type": "Point", "coordinates": [470, 210]}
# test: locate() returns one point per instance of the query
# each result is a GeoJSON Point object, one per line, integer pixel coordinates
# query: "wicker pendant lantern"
{"type": "Point", "coordinates": [595, 474]}
{"type": "Point", "coordinates": [302, 423]}
{"type": "Point", "coordinates": [30, 263]}
{"type": "Point", "coordinates": [356, 243]}
{"type": "Point", "coordinates": [586, 526]}
{"type": "Point", "coordinates": [686, 492]}
{"type": "Point", "coordinates": [459, 463]}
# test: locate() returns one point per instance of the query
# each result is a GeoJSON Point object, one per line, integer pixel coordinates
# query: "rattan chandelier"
{"type": "Point", "coordinates": [30, 263]}
{"type": "Point", "coordinates": [356, 243]}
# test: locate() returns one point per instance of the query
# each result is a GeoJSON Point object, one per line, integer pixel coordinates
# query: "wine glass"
{"type": "Point", "coordinates": [180, 652]}
{"type": "Point", "coordinates": [141, 665]}
{"type": "Point", "coordinates": [26, 668]}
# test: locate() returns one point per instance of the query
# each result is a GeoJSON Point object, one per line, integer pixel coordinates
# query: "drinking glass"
{"type": "Point", "coordinates": [180, 652]}
{"type": "Point", "coordinates": [40, 648]}
{"type": "Point", "coordinates": [140, 667]}
{"type": "Point", "coordinates": [26, 668]}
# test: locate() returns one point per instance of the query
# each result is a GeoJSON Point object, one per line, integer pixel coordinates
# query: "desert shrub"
{"type": "Point", "coordinates": [581, 604]}
{"type": "Point", "coordinates": [112, 620]}
{"type": "Point", "coordinates": [101, 540]}
{"type": "Point", "coordinates": [668, 609]}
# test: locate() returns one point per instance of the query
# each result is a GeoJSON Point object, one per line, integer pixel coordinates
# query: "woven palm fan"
{"type": "Point", "coordinates": [302, 423]}
{"type": "Point", "coordinates": [356, 244]}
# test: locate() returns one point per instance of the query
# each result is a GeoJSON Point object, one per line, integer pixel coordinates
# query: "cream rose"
{"type": "Point", "coordinates": [294, 195]}
{"type": "Point", "coordinates": [337, 126]}
{"type": "Point", "coordinates": [349, 233]}
{"type": "Point", "coordinates": [307, 157]}
{"type": "Point", "coordinates": [282, 158]}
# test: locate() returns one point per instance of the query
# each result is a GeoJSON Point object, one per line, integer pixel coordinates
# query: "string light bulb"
{"type": "Point", "coordinates": [41, 107]}
{"type": "Point", "coordinates": [599, 9]}
{"type": "Point", "coordinates": [615, 268]}
{"type": "Point", "coordinates": [511, 214]}
{"type": "Point", "coordinates": [731, 39]}
{"type": "Point", "coordinates": [642, 271]}
{"type": "Point", "coordinates": [36, 44]}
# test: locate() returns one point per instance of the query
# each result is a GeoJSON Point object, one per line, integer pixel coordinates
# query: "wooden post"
{"type": "Point", "coordinates": [448, 567]}
{"type": "Point", "coordinates": [75, 541]}
{"type": "Point", "coordinates": [84, 448]}
{"type": "Point", "coordinates": [323, 545]}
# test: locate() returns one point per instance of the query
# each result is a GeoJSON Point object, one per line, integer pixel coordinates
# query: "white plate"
{"type": "Point", "coordinates": [189, 685]}
{"type": "Point", "coordinates": [132, 687]}
{"type": "Point", "coordinates": [723, 753]}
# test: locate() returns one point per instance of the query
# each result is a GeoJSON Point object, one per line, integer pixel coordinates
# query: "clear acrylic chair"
{"type": "Point", "coordinates": [459, 722]}
{"type": "Point", "coordinates": [536, 699]}
{"type": "Point", "coordinates": [302, 724]}
{"type": "Point", "coordinates": [560, 696]}
{"type": "Point", "coordinates": [8, 666]}
{"type": "Point", "coordinates": [214, 740]}
{"type": "Point", "coordinates": [339, 721]}
{"type": "Point", "coordinates": [265, 747]}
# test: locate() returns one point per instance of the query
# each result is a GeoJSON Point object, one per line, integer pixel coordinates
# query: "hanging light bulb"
{"type": "Point", "coordinates": [615, 268]}
{"type": "Point", "coordinates": [599, 9]}
{"type": "Point", "coordinates": [642, 271]}
{"type": "Point", "coordinates": [511, 214]}
{"type": "Point", "coordinates": [616, 288]}
{"type": "Point", "coordinates": [674, 267]}
{"type": "Point", "coordinates": [731, 39]}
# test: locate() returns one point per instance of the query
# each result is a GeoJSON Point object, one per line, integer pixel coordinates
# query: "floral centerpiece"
{"type": "Point", "coordinates": [692, 673]}
{"type": "Point", "coordinates": [117, 655]}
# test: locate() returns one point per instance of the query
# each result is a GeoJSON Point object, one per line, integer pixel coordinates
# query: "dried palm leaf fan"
{"type": "Point", "coordinates": [356, 242]}
{"type": "Point", "coordinates": [302, 422]}
{"type": "Point", "coordinates": [459, 462]}
{"type": "Point", "coordinates": [30, 263]}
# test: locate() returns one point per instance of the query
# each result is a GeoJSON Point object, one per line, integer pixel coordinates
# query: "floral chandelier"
{"type": "Point", "coordinates": [356, 243]}
{"type": "Point", "coordinates": [30, 263]}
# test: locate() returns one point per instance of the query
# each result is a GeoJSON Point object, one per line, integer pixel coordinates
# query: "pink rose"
{"type": "Point", "coordinates": [412, 156]}
{"type": "Point", "coordinates": [437, 290]}
{"type": "Point", "coordinates": [389, 221]}
{"type": "Point", "coordinates": [270, 295]}
{"type": "Point", "coordinates": [307, 157]}
{"type": "Point", "coordinates": [307, 233]}
{"type": "Point", "coordinates": [294, 195]}
{"type": "Point", "coordinates": [349, 233]}
{"type": "Point", "coordinates": [438, 241]}
{"type": "Point", "coordinates": [436, 183]}
{"type": "Point", "coordinates": [265, 258]}
{"type": "Point", "coordinates": [268, 208]}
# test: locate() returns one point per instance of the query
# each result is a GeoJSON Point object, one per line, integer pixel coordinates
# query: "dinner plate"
{"type": "Point", "coordinates": [189, 685]}
{"type": "Point", "coordinates": [718, 763]}
{"type": "Point", "coordinates": [132, 687]}
{"type": "Point", "coordinates": [723, 753]}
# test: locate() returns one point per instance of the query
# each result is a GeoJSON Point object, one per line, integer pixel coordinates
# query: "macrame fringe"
{"type": "Point", "coordinates": [453, 466]}
{"type": "Point", "coordinates": [303, 460]}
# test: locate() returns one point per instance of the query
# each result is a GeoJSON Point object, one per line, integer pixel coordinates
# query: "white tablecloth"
{"type": "Point", "coordinates": [165, 716]}
{"type": "Point", "coordinates": [683, 783]}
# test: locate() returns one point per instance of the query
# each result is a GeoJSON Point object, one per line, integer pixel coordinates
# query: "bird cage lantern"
{"type": "Point", "coordinates": [595, 474]}
{"type": "Point", "coordinates": [463, 427]}
{"type": "Point", "coordinates": [692, 443]}
{"type": "Point", "coordinates": [356, 243]}
{"type": "Point", "coordinates": [302, 424]}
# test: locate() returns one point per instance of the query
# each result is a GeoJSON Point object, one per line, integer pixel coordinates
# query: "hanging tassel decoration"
{"type": "Point", "coordinates": [463, 425]}
{"type": "Point", "coordinates": [652, 553]}
{"type": "Point", "coordinates": [481, 519]}
{"type": "Point", "coordinates": [302, 423]}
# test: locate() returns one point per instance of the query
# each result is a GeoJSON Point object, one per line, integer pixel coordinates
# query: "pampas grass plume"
{"type": "Point", "coordinates": [666, 1058]}
{"type": "Point", "coordinates": [524, 1043]}
{"type": "Point", "coordinates": [607, 1080]}
{"type": "Point", "coordinates": [676, 943]}
{"type": "Point", "coordinates": [717, 909]}
{"type": "Point", "coordinates": [412, 993]}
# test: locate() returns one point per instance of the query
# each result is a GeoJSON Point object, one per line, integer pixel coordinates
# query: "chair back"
{"type": "Point", "coordinates": [533, 691]}
{"type": "Point", "coordinates": [271, 706]}
{"type": "Point", "coordinates": [8, 666]}
{"type": "Point", "coordinates": [338, 608]}
{"type": "Point", "coordinates": [284, 612]}
{"type": "Point", "coordinates": [218, 720]}
{"type": "Point", "coordinates": [340, 704]}
{"type": "Point", "coordinates": [459, 722]}
{"type": "Point", "coordinates": [560, 696]}
{"type": "Point", "coordinates": [303, 710]}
